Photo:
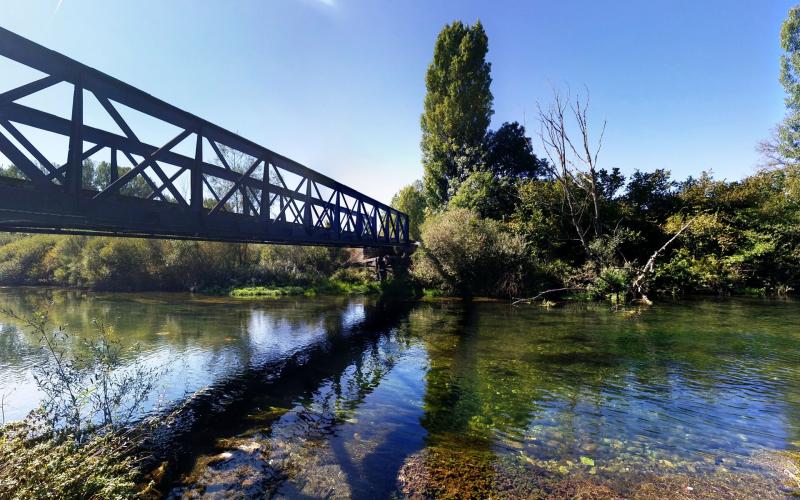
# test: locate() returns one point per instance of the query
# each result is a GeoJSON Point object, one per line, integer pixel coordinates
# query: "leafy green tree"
{"type": "Point", "coordinates": [12, 171]}
{"type": "Point", "coordinates": [509, 153]}
{"type": "Point", "coordinates": [536, 218]}
{"type": "Point", "coordinates": [784, 147]}
{"type": "Point", "coordinates": [88, 174]}
{"type": "Point", "coordinates": [489, 196]}
{"type": "Point", "coordinates": [651, 193]}
{"type": "Point", "coordinates": [609, 183]}
{"type": "Point", "coordinates": [411, 201]}
{"type": "Point", "coordinates": [458, 106]}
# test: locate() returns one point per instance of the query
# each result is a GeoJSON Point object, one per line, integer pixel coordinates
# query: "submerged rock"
{"type": "Point", "coordinates": [439, 472]}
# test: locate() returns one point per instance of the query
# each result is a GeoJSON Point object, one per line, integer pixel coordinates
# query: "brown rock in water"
{"type": "Point", "coordinates": [439, 472]}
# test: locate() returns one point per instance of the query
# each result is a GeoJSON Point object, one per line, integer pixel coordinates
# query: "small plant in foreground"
{"type": "Point", "coordinates": [75, 444]}
{"type": "Point", "coordinates": [88, 385]}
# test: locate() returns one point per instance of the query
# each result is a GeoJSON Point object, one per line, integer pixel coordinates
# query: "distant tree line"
{"type": "Point", "coordinates": [130, 264]}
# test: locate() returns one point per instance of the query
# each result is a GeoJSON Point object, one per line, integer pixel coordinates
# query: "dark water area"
{"type": "Point", "coordinates": [351, 398]}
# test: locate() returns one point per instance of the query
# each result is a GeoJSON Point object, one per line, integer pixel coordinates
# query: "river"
{"type": "Point", "coordinates": [349, 398]}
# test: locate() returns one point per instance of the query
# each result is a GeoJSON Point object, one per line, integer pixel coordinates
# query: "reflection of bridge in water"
{"type": "Point", "coordinates": [200, 182]}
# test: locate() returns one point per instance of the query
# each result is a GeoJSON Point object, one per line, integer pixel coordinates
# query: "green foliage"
{"type": "Point", "coordinates": [509, 153]}
{"type": "Point", "coordinates": [487, 195]}
{"type": "Point", "coordinates": [411, 201]}
{"type": "Point", "coordinates": [467, 255]}
{"type": "Point", "coordinates": [22, 260]}
{"type": "Point", "coordinates": [651, 194]}
{"type": "Point", "coordinates": [12, 171]}
{"type": "Point", "coordinates": [127, 264]}
{"type": "Point", "coordinates": [263, 291]}
{"type": "Point", "coordinates": [611, 283]}
{"type": "Point", "coordinates": [458, 106]}
{"type": "Point", "coordinates": [536, 218]}
{"type": "Point", "coordinates": [73, 446]}
{"type": "Point", "coordinates": [120, 263]}
{"type": "Point", "coordinates": [327, 287]}
{"type": "Point", "coordinates": [745, 237]}
{"type": "Point", "coordinates": [50, 466]}
{"type": "Point", "coordinates": [345, 281]}
{"type": "Point", "coordinates": [301, 265]}
{"type": "Point", "coordinates": [788, 145]}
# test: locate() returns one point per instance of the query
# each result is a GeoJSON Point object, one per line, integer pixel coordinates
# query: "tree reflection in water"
{"type": "Point", "coordinates": [350, 398]}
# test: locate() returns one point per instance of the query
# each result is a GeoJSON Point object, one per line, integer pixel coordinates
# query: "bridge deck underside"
{"type": "Point", "coordinates": [23, 209]}
{"type": "Point", "coordinates": [224, 188]}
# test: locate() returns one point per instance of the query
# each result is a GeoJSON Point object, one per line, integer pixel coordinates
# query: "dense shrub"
{"type": "Point", "coordinates": [21, 260]}
{"type": "Point", "coordinates": [467, 255]}
{"type": "Point", "coordinates": [300, 265]}
{"type": "Point", "coordinates": [120, 263]}
{"type": "Point", "coordinates": [130, 264]}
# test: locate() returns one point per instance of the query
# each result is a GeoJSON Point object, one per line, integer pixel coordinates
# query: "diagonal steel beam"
{"type": "Point", "coordinates": [213, 193]}
{"type": "Point", "coordinates": [16, 134]}
{"type": "Point", "coordinates": [221, 157]}
{"type": "Point", "coordinates": [114, 114]}
{"type": "Point", "coordinates": [29, 88]}
{"type": "Point", "coordinates": [146, 178]}
{"type": "Point", "coordinates": [235, 187]}
{"type": "Point", "coordinates": [92, 150]}
{"type": "Point", "coordinates": [23, 163]}
{"type": "Point", "coordinates": [171, 180]}
{"type": "Point", "coordinates": [165, 180]}
{"type": "Point", "coordinates": [114, 186]}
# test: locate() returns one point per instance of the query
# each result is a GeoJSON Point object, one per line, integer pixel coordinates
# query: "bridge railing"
{"type": "Point", "coordinates": [224, 188]}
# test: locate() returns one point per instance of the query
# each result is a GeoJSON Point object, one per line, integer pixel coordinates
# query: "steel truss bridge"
{"type": "Point", "coordinates": [204, 183]}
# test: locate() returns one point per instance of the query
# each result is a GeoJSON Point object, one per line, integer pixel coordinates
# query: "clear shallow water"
{"type": "Point", "coordinates": [348, 398]}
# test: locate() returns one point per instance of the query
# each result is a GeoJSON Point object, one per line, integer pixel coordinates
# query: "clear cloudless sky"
{"type": "Point", "coordinates": [338, 85]}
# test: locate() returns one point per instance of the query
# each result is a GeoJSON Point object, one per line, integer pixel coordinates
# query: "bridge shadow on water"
{"type": "Point", "coordinates": [243, 434]}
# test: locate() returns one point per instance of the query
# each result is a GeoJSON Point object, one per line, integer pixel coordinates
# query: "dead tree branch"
{"type": "Point", "coordinates": [637, 285]}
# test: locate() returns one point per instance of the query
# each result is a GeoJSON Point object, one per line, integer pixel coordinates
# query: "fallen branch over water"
{"type": "Point", "coordinates": [529, 300]}
{"type": "Point", "coordinates": [637, 286]}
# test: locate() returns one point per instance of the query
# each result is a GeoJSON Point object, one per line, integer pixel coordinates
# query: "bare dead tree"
{"type": "Point", "coordinates": [573, 167]}
{"type": "Point", "coordinates": [588, 155]}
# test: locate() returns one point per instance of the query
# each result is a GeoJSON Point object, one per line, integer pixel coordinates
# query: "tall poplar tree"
{"type": "Point", "coordinates": [789, 130]}
{"type": "Point", "coordinates": [784, 147]}
{"type": "Point", "coordinates": [458, 107]}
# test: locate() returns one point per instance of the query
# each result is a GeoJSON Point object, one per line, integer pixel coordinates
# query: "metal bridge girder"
{"type": "Point", "coordinates": [220, 202]}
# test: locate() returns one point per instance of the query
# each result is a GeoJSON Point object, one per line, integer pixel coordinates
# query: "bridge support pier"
{"type": "Point", "coordinates": [391, 261]}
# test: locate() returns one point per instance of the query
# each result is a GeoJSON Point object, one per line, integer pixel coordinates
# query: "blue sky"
{"type": "Point", "coordinates": [338, 85]}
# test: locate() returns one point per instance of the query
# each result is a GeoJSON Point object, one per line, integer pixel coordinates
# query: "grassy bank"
{"type": "Point", "coordinates": [355, 283]}
{"type": "Point", "coordinates": [326, 287]}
